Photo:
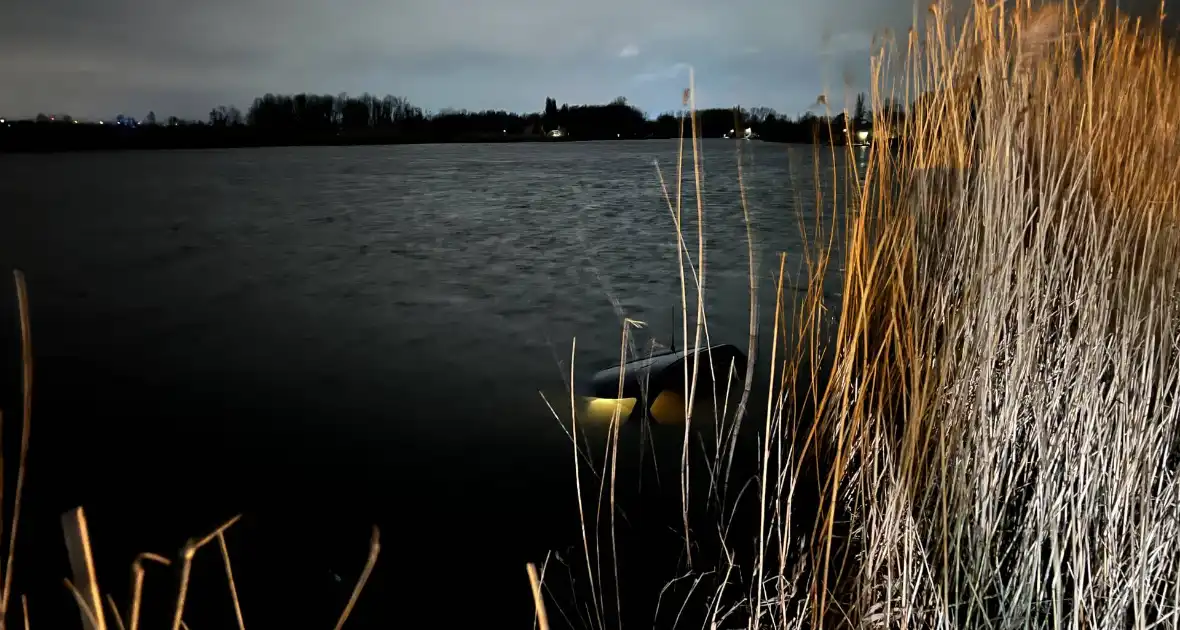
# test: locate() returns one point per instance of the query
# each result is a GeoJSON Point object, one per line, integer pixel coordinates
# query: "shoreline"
{"type": "Point", "coordinates": [95, 138]}
{"type": "Point", "coordinates": [32, 143]}
{"type": "Point", "coordinates": [134, 145]}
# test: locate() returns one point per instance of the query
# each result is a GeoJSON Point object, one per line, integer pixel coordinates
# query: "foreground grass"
{"type": "Point", "coordinates": [994, 435]}
{"type": "Point", "coordinates": [99, 612]}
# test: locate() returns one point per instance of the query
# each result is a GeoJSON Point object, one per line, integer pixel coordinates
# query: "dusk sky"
{"type": "Point", "coordinates": [96, 59]}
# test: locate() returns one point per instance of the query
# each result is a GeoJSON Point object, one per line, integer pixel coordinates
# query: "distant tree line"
{"type": "Point", "coordinates": [278, 119]}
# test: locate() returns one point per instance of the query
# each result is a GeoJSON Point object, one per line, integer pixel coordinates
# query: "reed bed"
{"type": "Point", "coordinates": [990, 432]}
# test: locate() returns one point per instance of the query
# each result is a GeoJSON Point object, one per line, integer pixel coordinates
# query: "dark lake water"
{"type": "Point", "coordinates": [326, 338]}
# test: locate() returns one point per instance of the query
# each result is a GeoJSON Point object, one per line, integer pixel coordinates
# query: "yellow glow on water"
{"type": "Point", "coordinates": [668, 408]}
{"type": "Point", "coordinates": [603, 409]}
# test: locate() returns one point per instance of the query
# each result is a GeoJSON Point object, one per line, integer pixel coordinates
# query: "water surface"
{"type": "Point", "coordinates": [329, 337]}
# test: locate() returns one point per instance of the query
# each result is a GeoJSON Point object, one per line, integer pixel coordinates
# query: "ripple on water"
{"type": "Point", "coordinates": [411, 299]}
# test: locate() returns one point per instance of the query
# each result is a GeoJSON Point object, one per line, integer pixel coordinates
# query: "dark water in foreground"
{"type": "Point", "coordinates": [326, 338]}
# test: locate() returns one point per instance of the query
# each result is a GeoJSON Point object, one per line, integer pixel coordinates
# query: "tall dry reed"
{"type": "Point", "coordinates": [991, 430]}
{"type": "Point", "coordinates": [1014, 464]}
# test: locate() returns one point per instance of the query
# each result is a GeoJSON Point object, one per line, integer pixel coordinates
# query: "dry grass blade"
{"type": "Point", "coordinates": [374, 549]}
{"type": "Point", "coordinates": [217, 532]}
{"type": "Point", "coordinates": [186, 554]}
{"type": "Point", "coordinates": [137, 576]}
{"type": "Point", "coordinates": [595, 599]}
{"type": "Point", "coordinates": [538, 599]}
{"type": "Point", "coordinates": [186, 557]}
{"type": "Point", "coordinates": [80, 551]}
{"type": "Point", "coordinates": [115, 612]}
{"type": "Point", "coordinates": [26, 341]}
{"type": "Point", "coordinates": [91, 616]}
{"type": "Point", "coordinates": [229, 574]}
{"type": "Point", "coordinates": [691, 381]}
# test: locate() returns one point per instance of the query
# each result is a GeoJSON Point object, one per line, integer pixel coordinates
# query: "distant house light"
{"type": "Point", "coordinates": [2, 121]}
{"type": "Point", "coordinates": [101, 122]}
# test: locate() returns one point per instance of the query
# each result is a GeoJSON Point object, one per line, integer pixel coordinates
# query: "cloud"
{"type": "Point", "coordinates": [663, 74]}
{"type": "Point", "coordinates": [183, 57]}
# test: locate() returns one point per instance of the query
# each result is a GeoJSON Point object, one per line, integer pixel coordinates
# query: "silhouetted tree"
{"type": "Point", "coordinates": [338, 107]}
{"type": "Point", "coordinates": [223, 116]}
{"type": "Point", "coordinates": [354, 114]}
{"type": "Point", "coordinates": [667, 125]}
{"type": "Point", "coordinates": [758, 115]}
{"type": "Point", "coordinates": [860, 113]}
{"type": "Point", "coordinates": [314, 119]}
